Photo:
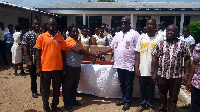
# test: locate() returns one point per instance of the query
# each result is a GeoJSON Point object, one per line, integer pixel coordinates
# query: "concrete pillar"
{"type": "Point", "coordinates": [84, 19]}
{"type": "Point", "coordinates": [181, 22]}
{"type": "Point", "coordinates": [107, 19]}
{"type": "Point", "coordinates": [175, 20]}
{"type": "Point", "coordinates": [132, 20]}
{"type": "Point", "coordinates": [88, 21]}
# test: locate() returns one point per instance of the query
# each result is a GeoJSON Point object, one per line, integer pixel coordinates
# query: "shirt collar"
{"type": "Point", "coordinates": [174, 41]}
{"type": "Point", "coordinates": [47, 33]}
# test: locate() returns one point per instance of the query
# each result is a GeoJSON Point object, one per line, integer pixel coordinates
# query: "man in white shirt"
{"type": "Point", "coordinates": [162, 32]}
{"type": "Point", "coordinates": [145, 45]}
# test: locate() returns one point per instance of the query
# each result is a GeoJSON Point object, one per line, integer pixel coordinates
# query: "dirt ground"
{"type": "Point", "coordinates": [15, 96]}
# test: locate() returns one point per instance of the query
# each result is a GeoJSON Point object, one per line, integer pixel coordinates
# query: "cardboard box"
{"type": "Point", "coordinates": [96, 49]}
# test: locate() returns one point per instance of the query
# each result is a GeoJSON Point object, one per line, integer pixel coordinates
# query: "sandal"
{"type": "Point", "coordinates": [151, 110]}
{"type": "Point", "coordinates": [139, 109]}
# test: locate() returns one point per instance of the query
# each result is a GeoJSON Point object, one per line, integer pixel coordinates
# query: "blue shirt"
{"type": "Point", "coordinates": [9, 37]}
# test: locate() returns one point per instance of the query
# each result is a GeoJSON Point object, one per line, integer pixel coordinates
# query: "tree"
{"type": "Point", "coordinates": [89, 0]}
{"type": "Point", "coordinates": [195, 30]}
{"type": "Point", "coordinates": [105, 0]}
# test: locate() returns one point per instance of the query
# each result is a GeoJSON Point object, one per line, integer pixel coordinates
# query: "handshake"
{"type": "Point", "coordinates": [97, 56]}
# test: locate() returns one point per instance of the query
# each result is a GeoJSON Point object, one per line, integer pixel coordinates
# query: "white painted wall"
{"type": "Point", "coordinates": [107, 19]}
{"type": "Point", "coordinates": [194, 18]}
{"type": "Point", "coordinates": [10, 16]}
{"type": "Point", "coordinates": [157, 18]}
{"type": "Point", "coordinates": [134, 21]}
{"type": "Point", "coordinates": [71, 19]}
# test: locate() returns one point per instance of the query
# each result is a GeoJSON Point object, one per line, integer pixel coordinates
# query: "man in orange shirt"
{"type": "Point", "coordinates": [50, 64]}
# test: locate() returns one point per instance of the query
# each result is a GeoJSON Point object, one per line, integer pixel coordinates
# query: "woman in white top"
{"type": "Point", "coordinates": [101, 39]}
{"type": "Point", "coordinates": [95, 36]}
{"type": "Point", "coordinates": [85, 39]}
{"type": "Point", "coordinates": [16, 51]}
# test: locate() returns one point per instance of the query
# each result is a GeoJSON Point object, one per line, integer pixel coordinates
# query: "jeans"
{"type": "Point", "coordinates": [70, 85]}
{"type": "Point", "coordinates": [195, 99]}
{"type": "Point", "coordinates": [173, 86]}
{"type": "Point", "coordinates": [45, 81]}
{"type": "Point", "coordinates": [33, 79]}
{"type": "Point", "coordinates": [147, 89]}
{"type": "Point", "coordinates": [126, 83]}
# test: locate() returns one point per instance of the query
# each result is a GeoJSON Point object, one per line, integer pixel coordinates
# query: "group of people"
{"type": "Point", "coordinates": [151, 57]}
{"type": "Point", "coordinates": [103, 36]}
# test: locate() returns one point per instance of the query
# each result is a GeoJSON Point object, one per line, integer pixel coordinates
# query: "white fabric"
{"type": "Point", "coordinates": [102, 81]}
{"type": "Point", "coordinates": [85, 41]}
{"type": "Point", "coordinates": [162, 33]}
{"type": "Point", "coordinates": [101, 41]}
{"type": "Point", "coordinates": [16, 49]}
{"type": "Point", "coordinates": [110, 38]}
{"type": "Point", "coordinates": [145, 46]}
{"type": "Point", "coordinates": [189, 40]}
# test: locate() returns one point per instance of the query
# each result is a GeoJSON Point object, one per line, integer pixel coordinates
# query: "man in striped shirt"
{"type": "Point", "coordinates": [169, 54]}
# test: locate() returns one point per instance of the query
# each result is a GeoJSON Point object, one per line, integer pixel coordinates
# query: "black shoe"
{"type": "Point", "coordinates": [126, 106]}
{"type": "Point", "coordinates": [34, 95]}
{"type": "Point", "coordinates": [68, 108]}
{"type": "Point", "coordinates": [56, 109]}
{"type": "Point", "coordinates": [47, 110]}
{"type": "Point", "coordinates": [16, 74]}
{"type": "Point", "coordinates": [76, 103]}
{"type": "Point", "coordinates": [119, 103]}
{"type": "Point", "coordinates": [22, 72]}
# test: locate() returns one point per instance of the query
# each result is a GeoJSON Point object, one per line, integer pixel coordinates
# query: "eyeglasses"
{"type": "Point", "coordinates": [124, 22]}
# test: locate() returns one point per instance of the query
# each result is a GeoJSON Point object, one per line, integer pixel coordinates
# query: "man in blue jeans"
{"type": "Point", "coordinates": [8, 38]}
{"type": "Point", "coordinates": [124, 44]}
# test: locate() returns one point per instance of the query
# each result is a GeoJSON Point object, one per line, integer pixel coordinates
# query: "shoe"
{"type": "Point", "coordinates": [119, 103]}
{"type": "Point", "coordinates": [126, 106]}
{"type": "Point", "coordinates": [47, 110]}
{"type": "Point", "coordinates": [16, 74]}
{"type": "Point", "coordinates": [56, 109]}
{"type": "Point", "coordinates": [151, 110]}
{"type": "Point", "coordinates": [76, 103]}
{"type": "Point", "coordinates": [22, 72]}
{"type": "Point", "coordinates": [139, 109]}
{"type": "Point", "coordinates": [34, 95]}
{"type": "Point", "coordinates": [68, 108]}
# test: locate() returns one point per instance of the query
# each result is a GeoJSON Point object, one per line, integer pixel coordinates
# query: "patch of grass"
{"type": "Point", "coordinates": [9, 74]}
{"type": "Point", "coordinates": [25, 77]}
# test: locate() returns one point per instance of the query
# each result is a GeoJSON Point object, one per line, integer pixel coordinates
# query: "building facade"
{"type": "Point", "coordinates": [93, 14]}
{"type": "Point", "coordinates": [14, 14]}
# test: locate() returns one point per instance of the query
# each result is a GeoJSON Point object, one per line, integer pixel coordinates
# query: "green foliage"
{"type": "Point", "coordinates": [105, 0]}
{"type": "Point", "coordinates": [195, 30]}
{"type": "Point", "coordinates": [89, 0]}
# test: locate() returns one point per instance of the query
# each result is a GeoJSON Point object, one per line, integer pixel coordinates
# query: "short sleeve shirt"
{"type": "Point", "coordinates": [170, 57]}
{"type": "Point", "coordinates": [189, 40]}
{"type": "Point", "coordinates": [124, 49]}
{"type": "Point", "coordinates": [51, 56]}
{"type": "Point", "coordinates": [9, 37]}
{"type": "Point", "coordinates": [29, 39]}
{"type": "Point", "coordinates": [145, 47]}
{"type": "Point", "coordinates": [196, 57]}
